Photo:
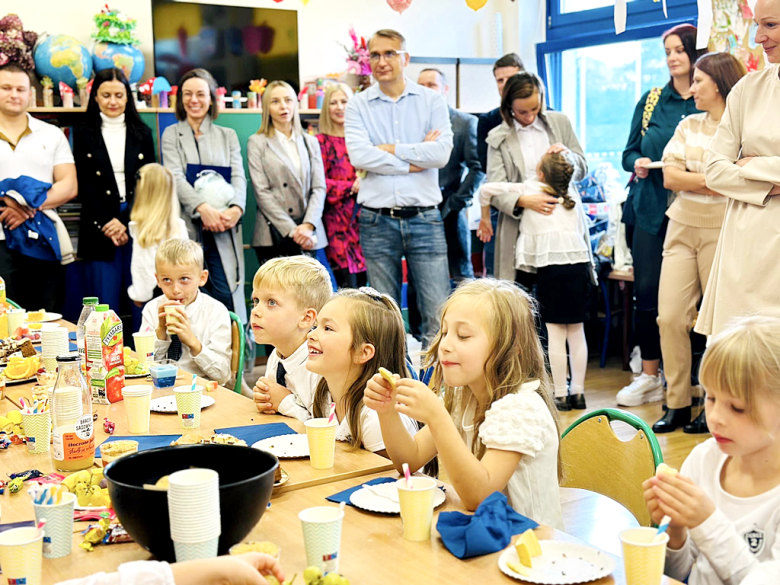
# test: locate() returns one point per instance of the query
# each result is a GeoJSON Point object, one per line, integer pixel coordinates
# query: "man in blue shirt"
{"type": "Point", "coordinates": [400, 134]}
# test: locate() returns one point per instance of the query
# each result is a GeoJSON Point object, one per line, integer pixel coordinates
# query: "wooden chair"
{"type": "Point", "coordinates": [238, 346]}
{"type": "Point", "coordinates": [595, 459]}
{"type": "Point", "coordinates": [13, 304]}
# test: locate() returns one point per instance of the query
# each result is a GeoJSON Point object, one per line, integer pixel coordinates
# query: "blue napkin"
{"type": "Point", "coordinates": [489, 530]}
{"type": "Point", "coordinates": [344, 496]}
{"type": "Point", "coordinates": [254, 433]}
{"type": "Point", "coordinates": [145, 442]}
{"type": "Point", "coordinates": [72, 336]}
{"type": "Point", "coordinates": [9, 525]}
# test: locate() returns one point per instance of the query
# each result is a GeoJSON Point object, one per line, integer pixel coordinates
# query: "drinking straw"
{"type": "Point", "coordinates": [662, 527]}
{"type": "Point", "coordinates": [194, 380]}
{"type": "Point", "coordinates": [342, 507]}
{"type": "Point", "coordinates": [41, 524]}
{"type": "Point", "coordinates": [332, 412]}
{"type": "Point", "coordinates": [21, 401]}
{"type": "Point", "coordinates": [407, 475]}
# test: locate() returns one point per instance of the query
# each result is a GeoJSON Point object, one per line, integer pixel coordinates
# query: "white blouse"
{"type": "Point", "coordinates": [290, 147]}
{"type": "Point", "coordinates": [534, 142]}
{"type": "Point", "coordinates": [114, 133]}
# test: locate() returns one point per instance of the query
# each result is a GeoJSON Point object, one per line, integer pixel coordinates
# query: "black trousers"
{"type": "Point", "coordinates": [648, 251]}
{"type": "Point", "coordinates": [33, 284]}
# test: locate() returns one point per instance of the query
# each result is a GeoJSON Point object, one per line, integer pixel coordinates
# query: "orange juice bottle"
{"type": "Point", "coordinates": [105, 357]}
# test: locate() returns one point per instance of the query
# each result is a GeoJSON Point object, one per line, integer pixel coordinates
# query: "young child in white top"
{"type": "Point", "coordinates": [153, 219]}
{"type": "Point", "coordinates": [200, 332]}
{"type": "Point", "coordinates": [554, 245]}
{"type": "Point", "coordinates": [492, 424]}
{"type": "Point", "coordinates": [287, 294]}
{"type": "Point", "coordinates": [358, 332]}
{"type": "Point", "coordinates": [725, 502]}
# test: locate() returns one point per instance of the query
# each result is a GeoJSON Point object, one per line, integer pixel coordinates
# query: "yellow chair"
{"type": "Point", "coordinates": [595, 459]}
{"type": "Point", "coordinates": [237, 346]}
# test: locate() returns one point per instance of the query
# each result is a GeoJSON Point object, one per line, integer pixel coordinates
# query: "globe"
{"type": "Point", "coordinates": [128, 58]}
{"type": "Point", "coordinates": [62, 58]}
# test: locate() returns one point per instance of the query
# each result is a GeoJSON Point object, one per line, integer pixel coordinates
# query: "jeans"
{"type": "Point", "coordinates": [490, 247]}
{"type": "Point", "coordinates": [456, 230]}
{"type": "Point", "coordinates": [421, 240]}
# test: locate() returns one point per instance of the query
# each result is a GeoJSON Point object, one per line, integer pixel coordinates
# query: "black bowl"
{"type": "Point", "coordinates": [246, 478]}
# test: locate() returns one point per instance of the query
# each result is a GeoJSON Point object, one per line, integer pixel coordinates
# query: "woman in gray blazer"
{"type": "Point", "coordinates": [190, 145]}
{"type": "Point", "coordinates": [285, 165]}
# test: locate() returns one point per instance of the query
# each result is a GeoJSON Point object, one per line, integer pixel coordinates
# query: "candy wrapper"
{"type": "Point", "coordinates": [15, 485]}
{"type": "Point", "coordinates": [5, 442]}
{"type": "Point", "coordinates": [108, 426]}
{"type": "Point", "coordinates": [25, 475]}
{"type": "Point", "coordinates": [51, 478]}
{"type": "Point", "coordinates": [104, 533]}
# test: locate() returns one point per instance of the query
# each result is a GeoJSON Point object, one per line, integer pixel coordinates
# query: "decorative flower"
{"type": "Point", "coordinates": [16, 44]}
{"type": "Point", "coordinates": [358, 61]}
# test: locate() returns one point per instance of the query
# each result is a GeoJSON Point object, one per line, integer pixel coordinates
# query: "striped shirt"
{"type": "Point", "coordinates": [688, 150]}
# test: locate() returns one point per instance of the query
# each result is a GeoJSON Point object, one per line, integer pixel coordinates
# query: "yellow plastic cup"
{"type": "Point", "coordinates": [144, 346]}
{"type": "Point", "coordinates": [171, 315]}
{"type": "Point", "coordinates": [21, 552]}
{"type": "Point", "coordinates": [37, 427]}
{"type": "Point", "coordinates": [416, 507]}
{"type": "Point", "coordinates": [322, 442]}
{"type": "Point", "coordinates": [137, 401]}
{"type": "Point", "coordinates": [643, 558]}
{"type": "Point", "coordinates": [188, 406]}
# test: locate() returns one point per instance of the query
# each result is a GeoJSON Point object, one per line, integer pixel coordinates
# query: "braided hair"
{"type": "Point", "coordinates": [557, 171]}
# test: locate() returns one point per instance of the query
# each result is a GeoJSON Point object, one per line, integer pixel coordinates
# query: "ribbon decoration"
{"type": "Point", "coordinates": [620, 16]}
{"type": "Point", "coordinates": [704, 24]}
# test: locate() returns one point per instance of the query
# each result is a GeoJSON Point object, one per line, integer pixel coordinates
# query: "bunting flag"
{"type": "Point", "coordinates": [399, 5]}
{"type": "Point", "coordinates": [476, 4]}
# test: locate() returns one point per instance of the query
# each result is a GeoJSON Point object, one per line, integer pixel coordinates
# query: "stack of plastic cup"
{"type": "Point", "coordinates": [21, 550]}
{"type": "Point", "coordinates": [322, 536]}
{"type": "Point", "coordinates": [188, 406]}
{"type": "Point", "coordinates": [322, 442]}
{"type": "Point", "coordinates": [416, 507]}
{"type": "Point", "coordinates": [58, 531]}
{"type": "Point", "coordinates": [193, 511]}
{"type": "Point", "coordinates": [67, 404]}
{"type": "Point", "coordinates": [37, 427]}
{"type": "Point", "coordinates": [137, 404]}
{"type": "Point", "coordinates": [54, 342]}
{"type": "Point", "coordinates": [144, 346]}
{"type": "Point", "coordinates": [643, 556]}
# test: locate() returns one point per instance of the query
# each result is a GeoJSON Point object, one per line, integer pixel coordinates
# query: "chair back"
{"type": "Point", "coordinates": [13, 304]}
{"type": "Point", "coordinates": [237, 346]}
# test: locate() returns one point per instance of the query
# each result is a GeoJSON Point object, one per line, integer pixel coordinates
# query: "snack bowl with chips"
{"type": "Point", "coordinates": [246, 478]}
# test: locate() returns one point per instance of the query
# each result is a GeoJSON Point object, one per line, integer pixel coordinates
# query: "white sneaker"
{"type": "Point", "coordinates": [644, 388]}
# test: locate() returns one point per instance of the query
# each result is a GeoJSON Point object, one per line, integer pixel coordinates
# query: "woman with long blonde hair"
{"type": "Point", "coordinates": [153, 219]}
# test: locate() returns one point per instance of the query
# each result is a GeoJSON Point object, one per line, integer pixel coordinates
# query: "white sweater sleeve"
{"type": "Point", "coordinates": [134, 573]}
{"type": "Point", "coordinates": [489, 190]}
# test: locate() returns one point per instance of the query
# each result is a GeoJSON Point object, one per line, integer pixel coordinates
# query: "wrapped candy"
{"type": "Point", "coordinates": [108, 426]}
{"type": "Point", "coordinates": [66, 93]}
{"type": "Point", "coordinates": [95, 533]}
{"type": "Point", "coordinates": [15, 485]}
{"type": "Point", "coordinates": [25, 475]}
{"type": "Point", "coordinates": [5, 442]}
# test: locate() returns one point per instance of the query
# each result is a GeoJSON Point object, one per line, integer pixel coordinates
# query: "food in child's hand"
{"type": "Point", "coordinates": [274, 581]}
{"type": "Point", "coordinates": [527, 547]}
{"type": "Point", "coordinates": [265, 547]}
{"type": "Point", "coordinates": [387, 375]}
{"type": "Point", "coordinates": [664, 469]}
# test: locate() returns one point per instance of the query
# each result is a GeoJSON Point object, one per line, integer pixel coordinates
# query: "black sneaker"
{"type": "Point", "coordinates": [562, 403]}
{"type": "Point", "coordinates": [577, 401]}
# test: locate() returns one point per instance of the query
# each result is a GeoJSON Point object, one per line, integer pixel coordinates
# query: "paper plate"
{"type": "Point", "coordinates": [383, 498]}
{"type": "Point", "coordinates": [654, 165]}
{"type": "Point", "coordinates": [167, 404]}
{"type": "Point", "coordinates": [284, 480]}
{"type": "Point", "coordinates": [285, 446]}
{"type": "Point", "coordinates": [561, 563]}
{"type": "Point", "coordinates": [47, 317]}
{"type": "Point", "coordinates": [136, 376]}
{"type": "Point", "coordinates": [10, 382]}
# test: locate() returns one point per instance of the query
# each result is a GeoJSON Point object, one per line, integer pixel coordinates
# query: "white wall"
{"type": "Point", "coordinates": [433, 28]}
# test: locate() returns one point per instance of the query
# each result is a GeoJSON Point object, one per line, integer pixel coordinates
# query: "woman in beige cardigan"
{"type": "Point", "coordinates": [744, 165]}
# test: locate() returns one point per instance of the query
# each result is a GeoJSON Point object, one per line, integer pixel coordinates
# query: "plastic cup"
{"type": "Point", "coordinates": [190, 551]}
{"type": "Point", "coordinates": [58, 531]}
{"type": "Point", "coordinates": [37, 427]}
{"type": "Point", "coordinates": [164, 373]}
{"type": "Point", "coordinates": [643, 558]}
{"type": "Point", "coordinates": [15, 319]}
{"type": "Point", "coordinates": [322, 536]}
{"type": "Point", "coordinates": [416, 507]}
{"type": "Point", "coordinates": [171, 315]}
{"type": "Point", "coordinates": [137, 404]}
{"type": "Point", "coordinates": [144, 346]}
{"type": "Point", "coordinates": [322, 442]}
{"type": "Point", "coordinates": [188, 406]}
{"type": "Point", "coordinates": [21, 551]}
{"type": "Point", "coordinates": [193, 507]}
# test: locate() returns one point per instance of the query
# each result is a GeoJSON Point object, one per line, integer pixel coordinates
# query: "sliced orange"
{"type": "Point", "coordinates": [22, 368]}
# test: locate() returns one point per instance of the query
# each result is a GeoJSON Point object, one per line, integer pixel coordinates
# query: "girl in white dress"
{"type": "Point", "coordinates": [490, 419]}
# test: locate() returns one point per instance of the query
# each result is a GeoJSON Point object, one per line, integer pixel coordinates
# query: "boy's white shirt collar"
{"type": "Point", "coordinates": [297, 358]}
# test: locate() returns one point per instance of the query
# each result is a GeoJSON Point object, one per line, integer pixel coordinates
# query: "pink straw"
{"type": "Point", "coordinates": [41, 524]}
{"type": "Point", "coordinates": [332, 413]}
{"type": "Point", "coordinates": [407, 475]}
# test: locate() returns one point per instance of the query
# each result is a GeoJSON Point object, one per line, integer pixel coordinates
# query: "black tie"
{"type": "Point", "coordinates": [174, 350]}
{"type": "Point", "coordinates": [280, 374]}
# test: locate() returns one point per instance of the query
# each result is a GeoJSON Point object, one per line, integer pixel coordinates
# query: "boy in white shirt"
{"type": "Point", "coordinates": [199, 339]}
{"type": "Point", "coordinates": [287, 295]}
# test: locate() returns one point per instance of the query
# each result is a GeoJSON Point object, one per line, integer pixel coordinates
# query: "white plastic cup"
{"type": "Point", "coordinates": [137, 401]}
{"type": "Point", "coordinates": [21, 552]}
{"type": "Point", "coordinates": [193, 506]}
{"type": "Point", "coordinates": [190, 551]}
{"type": "Point", "coordinates": [322, 536]}
{"type": "Point", "coordinates": [58, 530]}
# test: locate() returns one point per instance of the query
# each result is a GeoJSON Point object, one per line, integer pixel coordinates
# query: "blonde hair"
{"type": "Point", "coordinates": [515, 355]}
{"type": "Point", "coordinates": [743, 361]}
{"type": "Point", "coordinates": [266, 124]}
{"type": "Point", "coordinates": [376, 319]}
{"type": "Point", "coordinates": [179, 253]}
{"type": "Point", "coordinates": [326, 122]}
{"type": "Point", "coordinates": [301, 276]}
{"type": "Point", "coordinates": [156, 207]}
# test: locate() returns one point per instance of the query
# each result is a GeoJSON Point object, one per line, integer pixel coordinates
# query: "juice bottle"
{"type": "Point", "coordinates": [105, 357]}
{"type": "Point", "coordinates": [87, 309]}
{"type": "Point", "coordinates": [73, 433]}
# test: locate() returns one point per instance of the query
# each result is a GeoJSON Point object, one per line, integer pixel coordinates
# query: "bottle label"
{"type": "Point", "coordinates": [76, 445]}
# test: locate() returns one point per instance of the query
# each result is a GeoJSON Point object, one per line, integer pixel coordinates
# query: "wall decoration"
{"type": "Point", "coordinates": [476, 4]}
{"type": "Point", "coordinates": [115, 45]}
{"type": "Point", "coordinates": [63, 59]}
{"type": "Point", "coordinates": [399, 5]}
{"type": "Point", "coordinates": [358, 62]}
{"type": "Point", "coordinates": [734, 31]}
{"type": "Point", "coordinates": [16, 44]}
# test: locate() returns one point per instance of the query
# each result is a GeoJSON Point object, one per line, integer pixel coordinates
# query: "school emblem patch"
{"type": "Point", "coordinates": [755, 539]}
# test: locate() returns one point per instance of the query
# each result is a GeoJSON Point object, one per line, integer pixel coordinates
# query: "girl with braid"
{"type": "Point", "coordinates": [555, 246]}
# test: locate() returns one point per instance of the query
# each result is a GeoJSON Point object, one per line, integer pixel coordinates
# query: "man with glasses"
{"type": "Point", "coordinates": [400, 134]}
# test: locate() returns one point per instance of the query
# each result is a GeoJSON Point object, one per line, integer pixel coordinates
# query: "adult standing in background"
{"type": "Point", "coordinates": [695, 219]}
{"type": "Point", "coordinates": [109, 149]}
{"type": "Point", "coordinates": [507, 66]}
{"type": "Point", "coordinates": [31, 148]}
{"type": "Point", "coordinates": [400, 133]}
{"type": "Point", "coordinates": [458, 180]}
{"type": "Point", "coordinates": [342, 183]}
{"type": "Point", "coordinates": [285, 164]}
{"type": "Point", "coordinates": [194, 144]}
{"type": "Point", "coordinates": [744, 165]}
{"type": "Point", "coordinates": [648, 201]}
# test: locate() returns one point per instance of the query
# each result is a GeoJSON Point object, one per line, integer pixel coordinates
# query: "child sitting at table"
{"type": "Point", "coordinates": [725, 502]}
{"type": "Point", "coordinates": [358, 332]}
{"type": "Point", "coordinates": [490, 417]}
{"type": "Point", "coordinates": [199, 338]}
{"type": "Point", "coordinates": [287, 294]}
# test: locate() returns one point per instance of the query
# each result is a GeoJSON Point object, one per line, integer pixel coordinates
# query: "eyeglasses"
{"type": "Point", "coordinates": [388, 55]}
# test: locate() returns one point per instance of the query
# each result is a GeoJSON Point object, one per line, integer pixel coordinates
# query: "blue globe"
{"type": "Point", "coordinates": [62, 58]}
{"type": "Point", "coordinates": [128, 58]}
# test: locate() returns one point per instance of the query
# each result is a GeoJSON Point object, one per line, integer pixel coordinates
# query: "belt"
{"type": "Point", "coordinates": [401, 212]}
